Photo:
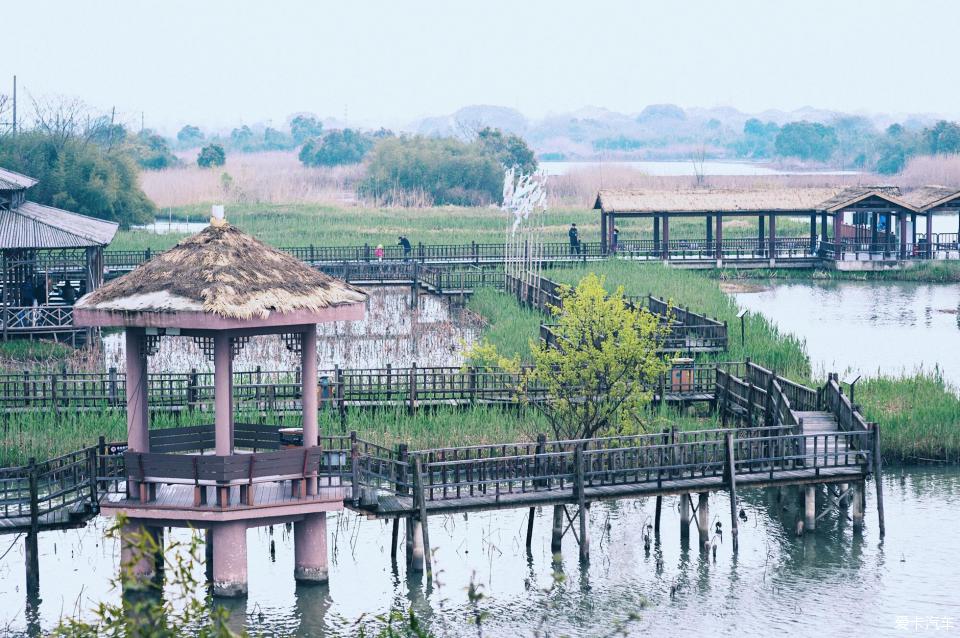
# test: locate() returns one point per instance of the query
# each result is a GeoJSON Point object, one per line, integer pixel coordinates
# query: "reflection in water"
{"type": "Point", "coordinates": [865, 327]}
{"type": "Point", "coordinates": [777, 583]}
{"type": "Point", "coordinates": [432, 334]}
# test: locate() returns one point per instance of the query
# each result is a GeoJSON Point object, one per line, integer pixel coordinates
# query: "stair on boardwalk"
{"type": "Point", "coordinates": [822, 423]}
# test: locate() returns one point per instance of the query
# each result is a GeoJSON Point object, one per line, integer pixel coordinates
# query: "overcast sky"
{"type": "Point", "coordinates": [217, 63]}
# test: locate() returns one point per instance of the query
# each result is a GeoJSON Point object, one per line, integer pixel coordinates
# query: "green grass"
{"type": "Point", "coordinates": [43, 434]}
{"type": "Point", "coordinates": [510, 326]}
{"type": "Point", "coordinates": [325, 225]}
{"type": "Point", "coordinates": [24, 351]}
{"type": "Point", "coordinates": [765, 343]}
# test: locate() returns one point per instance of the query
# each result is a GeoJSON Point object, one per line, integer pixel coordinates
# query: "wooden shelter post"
{"type": "Point", "coordinates": [929, 234]}
{"type": "Point", "coordinates": [873, 227]}
{"type": "Point", "coordinates": [837, 223]}
{"type": "Point", "coordinates": [913, 229]}
{"type": "Point", "coordinates": [823, 227]}
{"type": "Point", "coordinates": [666, 237]}
{"type": "Point", "coordinates": [719, 235]}
{"type": "Point", "coordinates": [773, 238]}
{"type": "Point", "coordinates": [222, 389]}
{"type": "Point", "coordinates": [656, 234]}
{"type": "Point", "coordinates": [902, 216]}
{"type": "Point", "coordinates": [761, 233]}
{"type": "Point", "coordinates": [709, 229]}
{"type": "Point", "coordinates": [603, 233]}
{"type": "Point", "coordinates": [813, 234]}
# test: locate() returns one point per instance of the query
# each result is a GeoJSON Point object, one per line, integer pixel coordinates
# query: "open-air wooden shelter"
{"type": "Point", "coordinates": [50, 257]}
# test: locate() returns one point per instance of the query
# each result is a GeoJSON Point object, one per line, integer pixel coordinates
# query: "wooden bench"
{"type": "Point", "coordinates": [149, 469]}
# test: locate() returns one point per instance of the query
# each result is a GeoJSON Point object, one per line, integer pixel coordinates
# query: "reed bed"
{"type": "Point", "coordinates": [509, 326]}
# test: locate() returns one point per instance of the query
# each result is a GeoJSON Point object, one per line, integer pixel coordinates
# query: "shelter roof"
{"type": "Point", "coordinates": [224, 274]}
{"type": "Point", "coordinates": [712, 200]}
{"type": "Point", "coordinates": [32, 225]}
{"type": "Point", "coordinates": [11, 180]}
{"type": "Point", "coordinates": [927, 197]}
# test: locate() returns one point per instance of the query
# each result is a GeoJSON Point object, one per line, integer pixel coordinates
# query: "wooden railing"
{"type": "Point", "coordinates": [51, 493]}
{"type": "Point", "coordinates": [44, 318]}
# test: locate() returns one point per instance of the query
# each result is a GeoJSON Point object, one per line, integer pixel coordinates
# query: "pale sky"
{"type": "Point", "coordinates": [218, 63]}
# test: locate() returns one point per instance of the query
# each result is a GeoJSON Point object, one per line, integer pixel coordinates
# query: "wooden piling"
{"type": "Point", "coordinates": [856, 503]}
{"type": "Point", "coordinates": [703, 519]}
{"type": "Point", "coordinates": [877, 477]}
{"type": "Point", "coordinates": [421, 501]}
{"type": "Point", "coordinates": [530, 516]}
{"type": "Point", "coordinates": [395, 534]}
{"type": "Point", "coordinates": [684, 515]}
{"type": "Point", "coordinates": [583, 512]}
{"type": "Point", "coordinates": [556, 536]}
{"type": "Point", "coordinates": [732, 482]}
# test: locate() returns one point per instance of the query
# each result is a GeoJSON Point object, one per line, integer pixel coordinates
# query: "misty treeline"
{"type": "Point", "coordinates": [86, 162]}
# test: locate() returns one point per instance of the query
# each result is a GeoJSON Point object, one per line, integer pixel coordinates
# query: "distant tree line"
{"type": "Point", "coordinates": [85, 162]}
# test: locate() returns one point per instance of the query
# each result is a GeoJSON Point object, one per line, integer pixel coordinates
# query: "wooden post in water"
{"type": "Point", "coordinates": [583, 512]}
{"type": "Point", "coordinates": [732, 478]}
{"type": "Point", "coordinates": [810, 508]}
{"type": "Point", "coordinates": [556, 536]}
{"type": "Point", "coordinates": [684, 515]}
{"type": "Point", "coordinates": [530, 515]}
{"type": "Point", "coordinates": [877, 466]}
{"type": "Point", "coordinates": [422, 522]}
{"type": "Point", "coordinates": [31, 551]}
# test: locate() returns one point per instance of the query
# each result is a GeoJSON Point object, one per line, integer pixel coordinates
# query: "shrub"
{"type": "Point", "coordinates": [211, 155]}
{"type": "Point", "coordinates": [335, 148]}
{"type": "Point", "coordinates": [443, 170]}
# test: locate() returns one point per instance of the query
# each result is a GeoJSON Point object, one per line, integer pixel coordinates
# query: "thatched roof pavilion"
{"type": "Point", "coordinates": [221, 286]}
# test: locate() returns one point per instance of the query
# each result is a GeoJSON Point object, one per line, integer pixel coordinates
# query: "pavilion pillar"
{"type": "Point", "coordinates": [656, 234]}
{"type": "Point", "coordinates": [930, 235]}
{"type": "Point", "coordinates": [603, 233]}
{"type": "Point", "coordinates": [719, 240]}
{"type": "Point", "coordinates": [837, 228]}
{"type": "Point", "coordinates": [611, 224]}
{"type": "Point", "coordinates": [902, 216]}
{"type": "Point", "coordinates": [873, 228]}
{"type": "Point", "coordinates": [230, 559]}
{"type": "Point", "coordinates": [310, 548]}
{"type": "Point", "coordinates": [773, 240]}
{"type": "Point", "coordinates": [309, 389]}
{"type": "Point", "coordinates": [823, 227]}
{"type": "Point", "coordinates": [222, 390]}
{"type": "Point", "coordinates": [137, 417]}
{"type": "Point", "coordinates": [761, 233]}
{"type": "Point", "coordinates": [709, 229]}
{"type": "Point", "coordinates": [137, 559]}
{"type": "Point", "coordinates": [666, 237]}
{"type": "Point", "coordinates": [913, 229]}
{"type": "Point", "coordinates": [813, 234]}
{"type": "Point", "coordinates": [887, 231]}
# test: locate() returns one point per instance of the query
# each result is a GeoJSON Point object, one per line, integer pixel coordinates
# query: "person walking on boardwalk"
{"type": "Point", "coordinates": [574, 235]}
{"type": "Point", "coordinates": [615, 242]}
{"type": "Point", "coordinates": [405, 244]}
{"type": "Point", "coordinates": [27, 300]}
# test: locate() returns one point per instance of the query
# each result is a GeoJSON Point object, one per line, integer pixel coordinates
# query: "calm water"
{"type": "Point", "coordinates": [862, 327]}
{"type": "Point", "coordinates": [680, 168]}
{"type": "Point", "coordinates": [850, 583]}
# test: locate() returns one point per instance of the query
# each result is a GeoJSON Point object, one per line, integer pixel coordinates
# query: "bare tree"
{"type": "Point", "coordinates": [60, 117]}
{"type": "Point", "coordinates": [6, 114]}
{"type": "Point", "coordinates": [698, 157]}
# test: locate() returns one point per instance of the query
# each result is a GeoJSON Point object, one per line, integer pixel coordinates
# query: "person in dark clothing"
{"type": "Point", "coordinates": [68, 293]}
{"type": "Point", "coordinates": [574, 235]}
{"type": "Point", "coordinates": [615, 243]}
{"type": "Point", "coordinates": [405, 244]}
{"type": "Point", "coordinates": [26, 294]}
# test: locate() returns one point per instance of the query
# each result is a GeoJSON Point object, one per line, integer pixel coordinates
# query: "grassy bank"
{"type": "Point", "coordinates": [919, 414]}
{"type": "Point", "coordinates": [320, 224]}
{"type": "Point", "coordinates": [942, 272]}
{"type": "Point", "coordinates": [764, 343]}
{"type": "Point", "coordinates": [28, 434]}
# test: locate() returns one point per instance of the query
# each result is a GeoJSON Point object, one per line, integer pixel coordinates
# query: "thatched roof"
{"type": "Point", "coordinates": [32, 225]}
{"type": "Point", "coordinates": [712, 200]}
{"type": "Point", "coordinates": [733, 200]}
{"type": "Point", "coordinates": [931, 196]}
{"type": "Point", "coordinates": [854, 194]}
{"type": "Point", "coordinates": [225, 272]}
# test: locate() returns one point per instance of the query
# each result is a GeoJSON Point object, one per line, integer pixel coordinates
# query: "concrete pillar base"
{"type": "Point", "coordinates": [416, 560]}
{"type": "Point", "coordinates": [684, 515]}
{"type": "Point", "coordinates": [310, 549]}
{"type": "Point", "coordinates": [773, 263]}
{"type": "Point", "coordinates": [230, 559]}
{"type": "Point", "coordinates": [810, 508]}
{"type": "Point", "coordinates": [139, 545]}
{"type": "Point", "coordinates": [703, 519]}
{"type": "Point", "coordinates": [856, 503]}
